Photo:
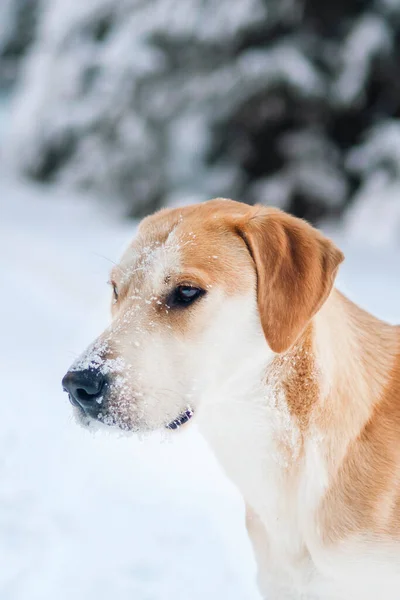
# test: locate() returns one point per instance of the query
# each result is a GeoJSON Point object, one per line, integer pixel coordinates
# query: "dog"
{"type": "Point", "coordinates": [226, 314]}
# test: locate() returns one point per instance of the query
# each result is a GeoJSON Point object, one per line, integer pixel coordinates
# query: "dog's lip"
{"type": "Point", "coordinates": [72, 400]}
{"type": "Point", "coordinates": [183, 418]}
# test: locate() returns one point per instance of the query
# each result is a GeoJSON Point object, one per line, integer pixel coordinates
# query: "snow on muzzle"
{"type": "Point", "coordinates": [93, 383]}
{"type": "Point", "coordinates": [105, 387]}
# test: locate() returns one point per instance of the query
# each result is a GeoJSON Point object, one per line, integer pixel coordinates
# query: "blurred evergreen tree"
{"type": "Point", "coordinates": [18, 19]}
{"type": "Point", "coordinates": [155, 101]}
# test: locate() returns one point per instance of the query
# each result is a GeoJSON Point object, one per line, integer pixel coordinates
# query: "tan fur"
{"type": "Point", "coordinates": [293, 261]}
{"type": "Point", "coordinates": [297, 372]}
{"type": "Point", "coordinates": [364, 450]}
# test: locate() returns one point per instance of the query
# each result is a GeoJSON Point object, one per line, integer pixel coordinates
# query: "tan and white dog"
{"type": "Point", "coordinates": [225, 314]}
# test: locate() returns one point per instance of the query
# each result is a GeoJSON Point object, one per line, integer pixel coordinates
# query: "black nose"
{"type": "Point", "coordinates": [85, 389]}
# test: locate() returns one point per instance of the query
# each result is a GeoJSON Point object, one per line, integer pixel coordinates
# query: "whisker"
{"type": "Point", "coordinates": [106, 258]}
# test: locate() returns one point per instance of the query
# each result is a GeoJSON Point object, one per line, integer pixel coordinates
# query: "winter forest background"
{"type": "Point", "coordinates": [110, 109]}
{"type": "Point", "coordinates": [151, 102]}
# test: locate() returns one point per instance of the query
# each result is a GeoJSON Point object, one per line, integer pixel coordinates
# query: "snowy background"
{"type": "Point", "coordinates": [109, 108]}
{"type": "Point", "coordinates": [147, 102]}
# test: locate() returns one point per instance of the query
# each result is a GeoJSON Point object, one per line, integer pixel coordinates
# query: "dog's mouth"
{"type": "Point", "coordinates": [181, 420]}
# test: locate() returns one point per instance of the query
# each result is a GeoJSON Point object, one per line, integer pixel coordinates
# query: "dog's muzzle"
{"type": "Point", "coordinates": [86, 390]}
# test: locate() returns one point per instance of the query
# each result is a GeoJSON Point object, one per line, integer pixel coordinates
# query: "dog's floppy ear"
{"type": "Point", "coordinates": [296, 267]}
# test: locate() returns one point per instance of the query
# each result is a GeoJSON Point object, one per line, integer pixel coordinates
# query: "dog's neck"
{"type": "Point", "coordinates": [354, 352]}
{"type": "Point", "coordinates": [282, 439]}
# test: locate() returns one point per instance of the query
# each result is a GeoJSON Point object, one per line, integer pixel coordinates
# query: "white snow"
{"type": "Point", "coordinates": [369, 38]}
{"type": "Point", "coordinates": [374, 215]}
{"type": "Point", "coordinates": [99, 517]}
{"type": "Point", "coordinates": [311, 169]}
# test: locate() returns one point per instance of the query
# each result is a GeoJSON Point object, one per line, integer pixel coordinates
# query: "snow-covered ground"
{"type": "Point", "coordinates": [100, 517]}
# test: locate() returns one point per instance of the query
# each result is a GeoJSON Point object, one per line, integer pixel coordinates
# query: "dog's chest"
{"type": "Point", "coordinates": [254, 447]}
{"type": "Point", "coordinates": [254, 441]}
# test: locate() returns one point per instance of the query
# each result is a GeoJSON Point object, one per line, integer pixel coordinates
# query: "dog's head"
{"type": "Point", "coordinates": [202, 293]}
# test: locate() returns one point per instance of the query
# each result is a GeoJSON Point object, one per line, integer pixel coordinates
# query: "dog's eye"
{"type": "Point", "coordinates": [115, 291]}
{"type": "Point", "coordinates": [184, 295]}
